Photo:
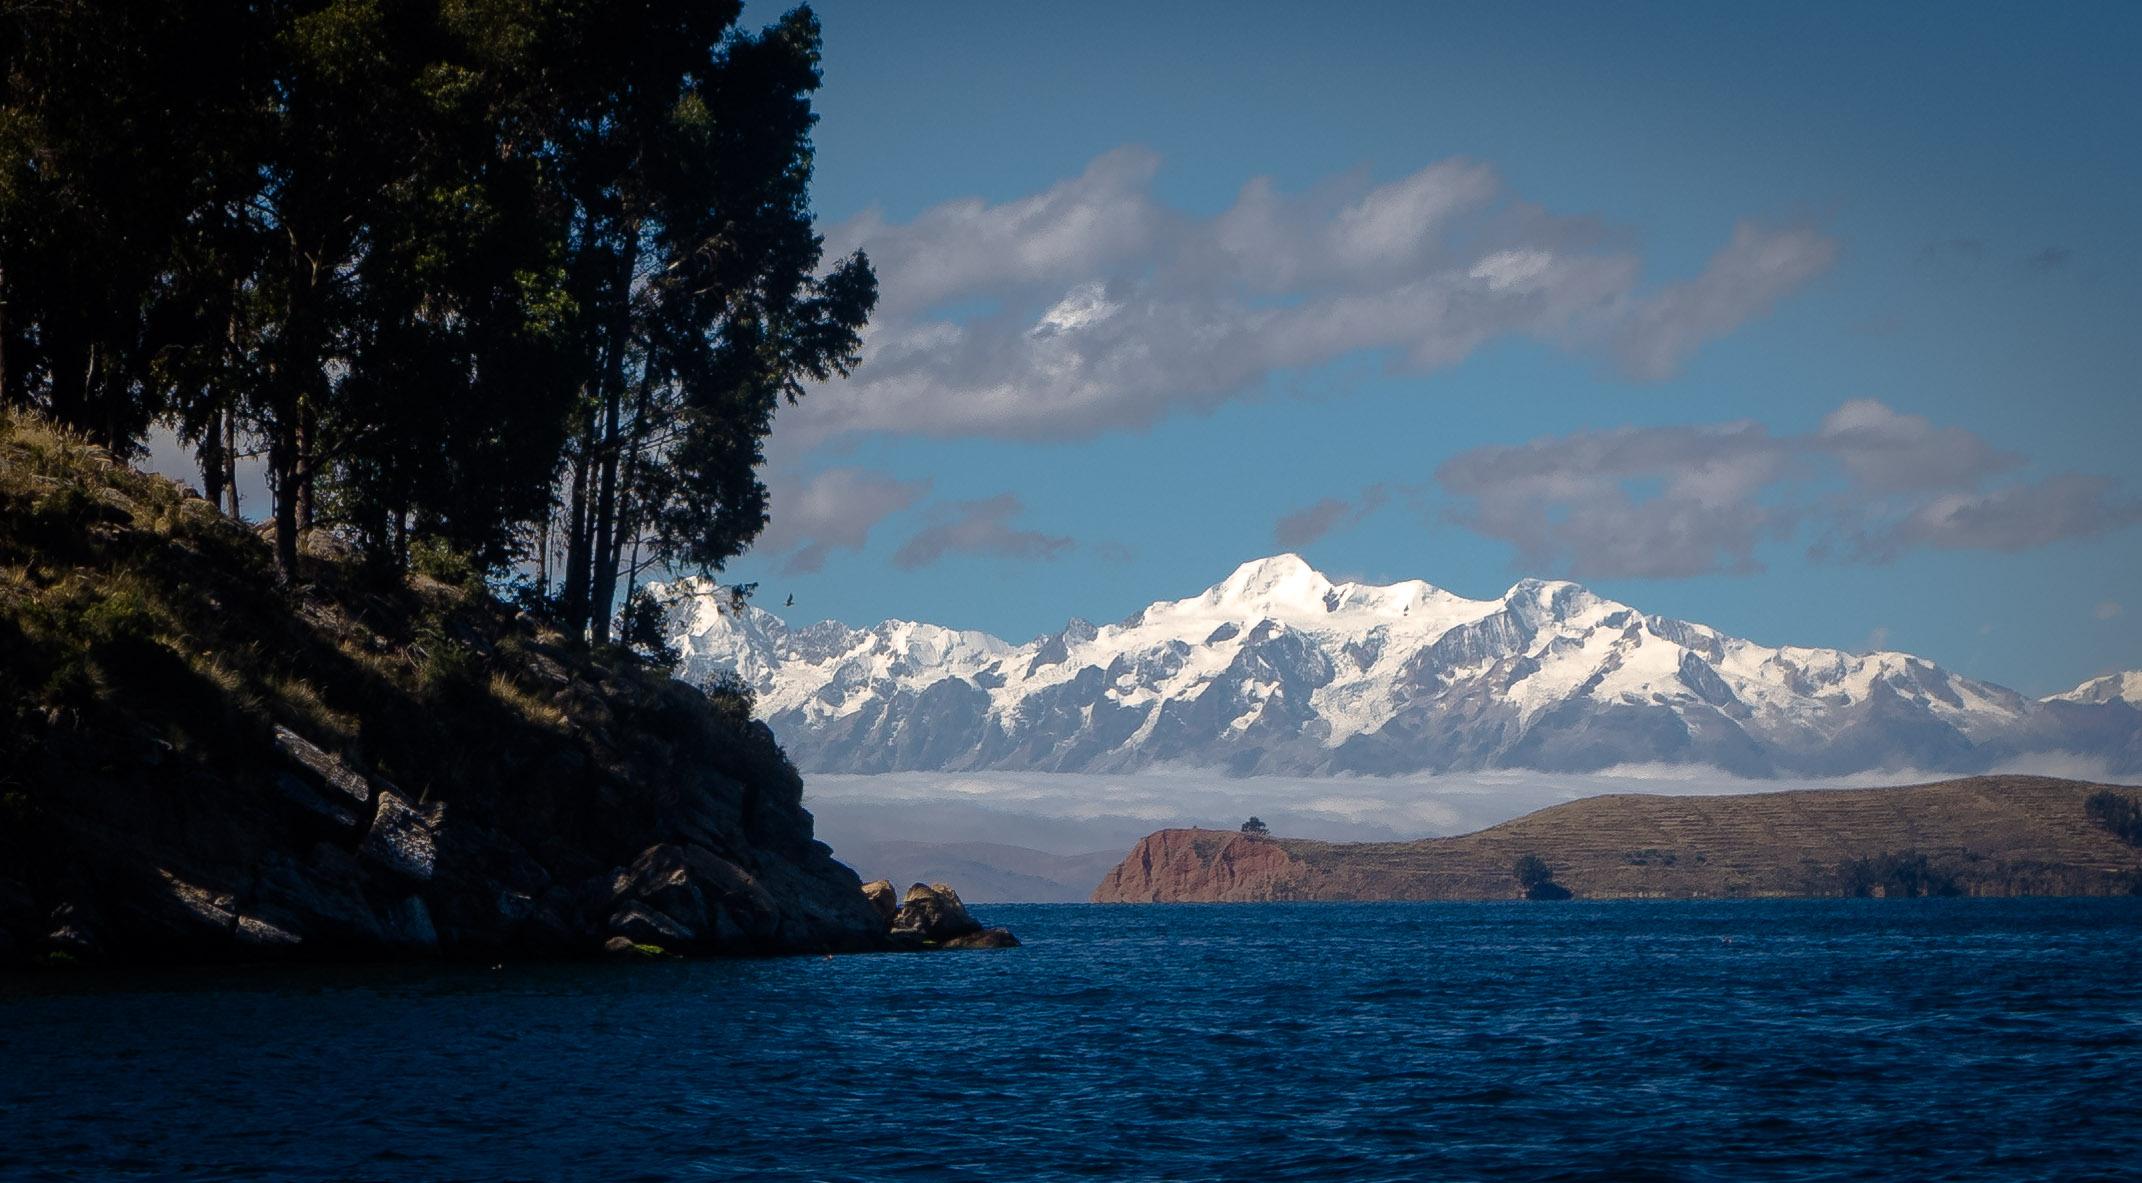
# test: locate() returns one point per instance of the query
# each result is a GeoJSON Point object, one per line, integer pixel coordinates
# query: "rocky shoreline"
{"type": "Point", "coordinates": [387, 877]}
{"type": "Point", "coordinates": [199, 764]}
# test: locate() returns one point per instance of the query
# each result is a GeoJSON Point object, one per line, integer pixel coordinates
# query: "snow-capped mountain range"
{"type": "Point", "coordinates": [1277, 670]}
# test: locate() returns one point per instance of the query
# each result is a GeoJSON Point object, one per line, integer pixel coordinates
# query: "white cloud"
{"type": "Point", "coordinates": [1073, 813]}
{"type": "Point", "coordinates": [1740, 283]}
{"type": "Point", "coordinates": [811, 517]}
{"type": "Point", "coordinates": [1689, 500]}
{"type": "Point", "coordinates": [1091, 307]}
{"type": "Point", "coordinates": [1306, 525]}
{"type": "Point", "coordinates": [980, 528]}
{"type": "Point", "coordinates": [2108, 610]}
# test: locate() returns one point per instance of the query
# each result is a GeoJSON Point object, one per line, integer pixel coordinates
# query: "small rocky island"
{"type": "Point", "coordinates": [932, 916]}
{"type": "Point", "coordinates": [197, 764]}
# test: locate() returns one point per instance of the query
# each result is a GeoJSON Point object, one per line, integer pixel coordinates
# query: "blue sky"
{"type": "Point", "coordinates": [1818, 324]}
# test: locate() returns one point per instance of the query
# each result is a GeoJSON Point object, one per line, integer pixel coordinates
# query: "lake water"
{"type": "Point", "coordinates": [1958, 1039]}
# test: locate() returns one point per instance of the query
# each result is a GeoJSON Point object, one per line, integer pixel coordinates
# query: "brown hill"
{"type": "Point", "coordinates": [1985, 835]}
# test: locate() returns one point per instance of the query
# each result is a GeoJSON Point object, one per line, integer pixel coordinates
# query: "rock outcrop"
{"type": "Point", "coordinates": [196, 764]}
{"type": "Point", "coordinates": [2001, 835]}
{"type": "Point", "coordinates": [932, 916]}
{"type": "Point", "coordinates": [1206, 866]}
{"type": "Point", "coordinates": [883, 899]}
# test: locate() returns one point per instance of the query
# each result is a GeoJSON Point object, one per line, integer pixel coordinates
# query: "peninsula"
{"type": "Point", "coordinates": [1985, 835]}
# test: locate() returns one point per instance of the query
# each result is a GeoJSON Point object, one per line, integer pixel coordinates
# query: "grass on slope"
{"type": "Point", "coordinates": [145, 645]}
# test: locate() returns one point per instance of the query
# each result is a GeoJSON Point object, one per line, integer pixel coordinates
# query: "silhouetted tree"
{"type": "Point", "coordinates": [1535, 879]}
{"type": "Point", "coordinates": [693, 269]}
{"type": "Point", "coordinates": [1255, 826]}
{"type": "Point", "coordinates": [456, 270]}
{"type": "Point", "coordinates": [1897, 873]}
{"type": "Point", "coordinates": [2118, 813]}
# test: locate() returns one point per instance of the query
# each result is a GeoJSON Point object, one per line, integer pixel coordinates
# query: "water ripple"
{"type": "Point", "coordinates": [1637, 1041]}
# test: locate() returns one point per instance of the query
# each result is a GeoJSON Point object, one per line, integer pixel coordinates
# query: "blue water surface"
{"type": "Point", "coordinates": [1935, 1039]}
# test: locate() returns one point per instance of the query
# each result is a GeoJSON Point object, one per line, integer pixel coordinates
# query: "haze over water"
{"type": "Point", "coordinates": [1962, 1039]}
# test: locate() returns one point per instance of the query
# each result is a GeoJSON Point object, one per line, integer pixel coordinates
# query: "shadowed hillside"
{"type": "Point", "coordinates": [198, 763]}
{"type": "Point", "coordinates": [1989, 835]}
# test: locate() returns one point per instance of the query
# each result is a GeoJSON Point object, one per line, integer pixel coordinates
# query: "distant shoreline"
{"type": "Point", "coordinates": [1978, 836]}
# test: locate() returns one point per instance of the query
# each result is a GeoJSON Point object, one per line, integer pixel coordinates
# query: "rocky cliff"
{"type": "Point", "coordinates": [196, 764]}
{"type": "Point", "coordinates": [2002, 835]}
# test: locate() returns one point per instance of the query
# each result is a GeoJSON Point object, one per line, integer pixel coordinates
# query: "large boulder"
{"type": "Point", "coordinates": [884, 900]}
{"type": "Point", "coordinates": [988, 938]}
{"type": "Point", "coordinates": [933, 912]}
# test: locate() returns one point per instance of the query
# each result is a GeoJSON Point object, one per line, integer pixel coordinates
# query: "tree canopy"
{"type": "Point", "coordinates": [519, 278]}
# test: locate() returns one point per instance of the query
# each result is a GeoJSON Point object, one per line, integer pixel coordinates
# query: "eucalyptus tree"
{"type": "Point", "coordinates": [694, 271]}
{"type": "Point", "coordinates": [455, 268]}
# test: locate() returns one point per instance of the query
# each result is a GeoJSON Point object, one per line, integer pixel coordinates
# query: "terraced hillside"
{"type": "Point", "coordinates": [1986, 835]}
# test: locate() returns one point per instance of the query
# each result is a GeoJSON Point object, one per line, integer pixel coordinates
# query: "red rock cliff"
{"type": "Point", "coordinates": [1210, 866]}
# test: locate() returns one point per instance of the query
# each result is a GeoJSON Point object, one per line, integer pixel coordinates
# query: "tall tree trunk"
{"type": "Point", "coordinates": [602, 581]}
{"type": "Point", "coordinates": [627, 511]}
{"type": "Point", "coordinates": [543, 555]}
{"type": "Point", "coordinates": [573, 597]}
{"type": "Point", "coordinates": [230, 458]}
{"type": "Point", "coordinates": [308, 446]}
{"type": "Point", "coordinates": [603, 573]}
{"type": "Point", "coordinates": [210, 457]}
{"type": "Point", "coordinates": [283, 477]}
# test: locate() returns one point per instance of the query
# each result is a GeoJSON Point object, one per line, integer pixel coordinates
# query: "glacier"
{"type": "Point", "coordinates": [1278, 671]}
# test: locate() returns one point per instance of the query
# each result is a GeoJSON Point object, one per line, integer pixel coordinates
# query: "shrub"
{"type": "Point", "coordinates": [1531, 870]}
{"type": "Point", "coordinates": [2118, 813]}
{"type": "Point", "coordinates": [643, 628]}
{"type": "Point", "coordinates": [1536, 879]}
{"type": "Point", "coordinates": [436, 559]}
{"type": "Point", "coordinates": [730, 695]}
{"type": "Point", "coordinates": [1905, 873]}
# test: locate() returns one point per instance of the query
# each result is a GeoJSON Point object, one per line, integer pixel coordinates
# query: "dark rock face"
{"type": "Point", "coordinates": [357, 767]}
{"type": "Point", "coordinates": [933, 915]}
{"type": "Point", "coordinates": [278, 866]}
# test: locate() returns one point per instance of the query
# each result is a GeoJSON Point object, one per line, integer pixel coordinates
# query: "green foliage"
{"type": "Point", "coordinates": [121, 614]}
{"type": "Point", "coordinates": [1531, 870]}
{"type": "Point", "coordinates": [2118, 813]}
{"type": "Point", "coordinates": [449, 267]}
{"type": "Point", "coordinates": [731, 696]}
{"type": "Point", "coordinates": [437, 559]}
{"type": "Point", "coordinates": [643, 628]}
{"type": "Point", "coordinates": [1536, 879]}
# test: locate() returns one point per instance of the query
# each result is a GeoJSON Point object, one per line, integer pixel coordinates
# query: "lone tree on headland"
{"type": "Point", "coordinates": [1255, 826]}
{"type": "Point", "coordinates": [1536, 879]}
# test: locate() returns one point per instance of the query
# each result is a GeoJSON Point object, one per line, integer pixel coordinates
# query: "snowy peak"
{"type": "Point", "coordinates": [2125, 686]}
{"type": "Point", "coordinates": [1277, 669]}
{"type": "Point", "coordinates": [1283, 585]}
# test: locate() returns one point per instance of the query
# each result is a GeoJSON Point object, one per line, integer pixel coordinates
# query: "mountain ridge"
{"type": "Point", "coordinates": [1278, 670]}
